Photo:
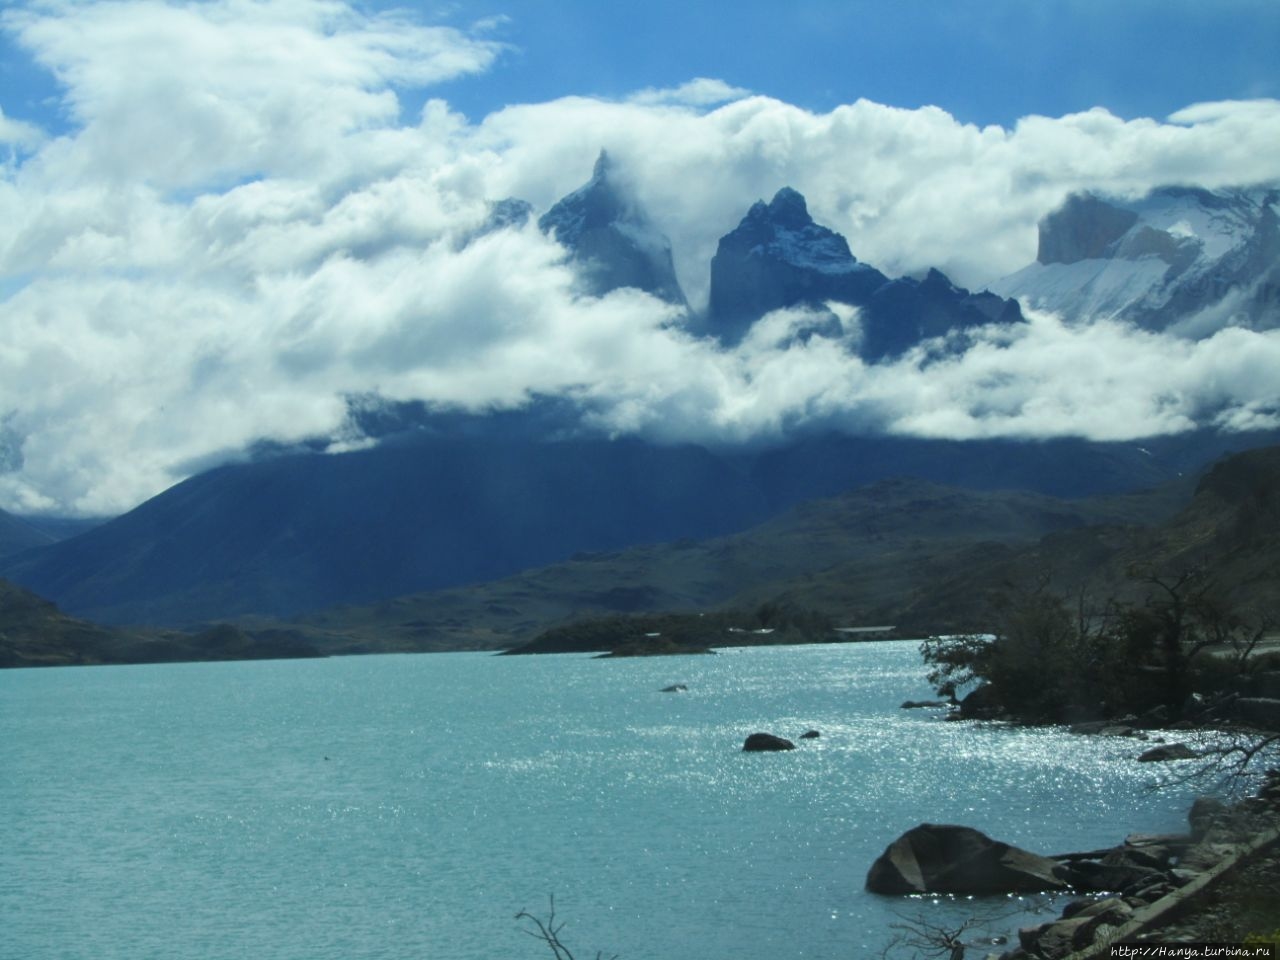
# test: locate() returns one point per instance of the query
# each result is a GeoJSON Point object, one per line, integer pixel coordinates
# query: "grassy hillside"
{"type": "Point", "coordinates": [1229, 531]}
{"type": "Point", "coordinates": [860, 558]}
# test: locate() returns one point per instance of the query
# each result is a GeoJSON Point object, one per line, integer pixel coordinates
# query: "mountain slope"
{"type": "Point", "coordinates": [17, 535]}
{"type": "Point", "coordinates": [302, 532]}
{"type": "Point", "coordinates": [854, 557]}
{"type": "Point", "coordinates": [1229, 532]}
{"type": "Point", "coordinates": [1188, 261]}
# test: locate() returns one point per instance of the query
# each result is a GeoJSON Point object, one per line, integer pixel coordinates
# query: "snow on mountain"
{"type": "Point", "coordinates": [611, 239]}
{"type": "Point", "coordinates": [1183, 260]}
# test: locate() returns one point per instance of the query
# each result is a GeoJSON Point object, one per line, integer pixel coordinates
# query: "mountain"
{"type": "Point", "coordinates": [17, 535]}
{"type": "Point", "coordinates": [923, 557]}
{"type": "Point", "coordinates": [779, 257]}
{"type": "Point", "coordinates": [859, 557]}
{"type": "Point", "coordinates": [611, 239]}
{"type": "Point", "coordinates": [1184, 260]}
{"type": "Point", "coordinates": [303, 531]}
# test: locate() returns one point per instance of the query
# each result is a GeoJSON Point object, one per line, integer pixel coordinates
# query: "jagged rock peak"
{"type": "Point", "coordinates": [787, 208]}
{"type": "Point", "coordinates": [610, 237]}
{"type": "Point", "coordinates": [596, 204]}
{"type": "Point", "coordinates": [603, 166]}
{"type": "Point", "coordinates": [782, 230]}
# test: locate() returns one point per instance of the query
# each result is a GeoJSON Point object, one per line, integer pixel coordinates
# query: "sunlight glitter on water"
{"type": "Point", "coordinates": [409, 806]}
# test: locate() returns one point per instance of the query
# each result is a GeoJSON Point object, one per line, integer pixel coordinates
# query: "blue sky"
{"type": "Point", "coordinates": [222, 217]}
{"type": "Point", "coordinates": [983, 61]}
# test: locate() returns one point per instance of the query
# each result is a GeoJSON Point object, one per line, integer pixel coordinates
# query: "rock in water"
{"type": "Point", "coordinates": [766, 741]}
{"type": "Point", "coordinates": [1168, 751]}
{"type": "Point", "coordinates": [942, 858]}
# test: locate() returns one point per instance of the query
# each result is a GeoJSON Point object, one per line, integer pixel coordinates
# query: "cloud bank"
{"type": "Point", "coordinates": [241, 228]}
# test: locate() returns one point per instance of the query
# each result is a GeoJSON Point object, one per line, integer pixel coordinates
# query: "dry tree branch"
{"type": "Point", "coordinates": [549, 932]}
{"type": "Point", "coordinates": [946, 941]}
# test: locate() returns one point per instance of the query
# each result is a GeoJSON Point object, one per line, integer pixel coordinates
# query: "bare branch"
{"type": "Point", "coordinates": [549, 932]}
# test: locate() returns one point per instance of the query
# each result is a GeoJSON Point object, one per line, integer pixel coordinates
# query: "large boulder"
{"type": "Point", "coordinates": [1166, 752]}
{"type": "Point", "coordinates": [766, 741]}
{"type": "Point", "coordinates": [943, 858]}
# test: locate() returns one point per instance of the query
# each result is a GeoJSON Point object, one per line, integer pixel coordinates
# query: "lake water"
{"type": "Point", "coordinates": [409, 806]}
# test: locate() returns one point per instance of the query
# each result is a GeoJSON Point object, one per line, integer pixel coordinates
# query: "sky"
{"type": "Point", "coordinates": [219, 219]}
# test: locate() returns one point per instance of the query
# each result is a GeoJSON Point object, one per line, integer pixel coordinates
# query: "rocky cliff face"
{"type": "Point", "coordinates": [779, 257]}
{"type": "Point", "coordinates": [1187, 261]}
{"type": "Point", "coordinates": [611, 239]}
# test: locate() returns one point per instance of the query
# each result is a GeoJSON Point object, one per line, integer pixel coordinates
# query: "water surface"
{"type": "Point", "coordinates": [409, 806]}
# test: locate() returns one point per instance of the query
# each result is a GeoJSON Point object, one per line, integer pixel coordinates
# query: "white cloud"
{"type": "Point", "coordinates": [699, 92]}
{"type": "Point", "coordinates": [17, 134]}
{"type": "Point", "coordinates": [241, 228]}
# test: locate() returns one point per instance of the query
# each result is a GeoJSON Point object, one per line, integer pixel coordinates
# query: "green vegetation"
{"type": "Point", "coordinates": [1050, 662]}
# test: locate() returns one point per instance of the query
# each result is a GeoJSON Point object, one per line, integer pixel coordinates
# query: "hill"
{"type": "Point", "coordinates": [35, 633]}
{"type": "Point", "coordinates": [288, 534]}
{"type": "Point", "coordinates": [858, 558]}
{"type": "Point", "coordinates": [1229, 534]}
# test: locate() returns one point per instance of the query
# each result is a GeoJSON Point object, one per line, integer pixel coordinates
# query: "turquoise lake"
{"type": "Point", "coordinates": [409, 806]}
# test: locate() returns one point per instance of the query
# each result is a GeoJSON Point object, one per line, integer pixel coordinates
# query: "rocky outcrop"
{"type": "Point", "coordinates": [943, 858]}
{"type": "Point", "coordinates": [610, 238]}
{"type": "Point", "coordinates": [1083, 228]}
{"type": "Point", "coordinates": [764, 742]}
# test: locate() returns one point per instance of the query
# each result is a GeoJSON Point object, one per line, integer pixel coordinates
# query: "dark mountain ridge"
{"type": "Point", "coordinates": [301, 532]}
{"type": "Point", "coordinates": [779, 257]}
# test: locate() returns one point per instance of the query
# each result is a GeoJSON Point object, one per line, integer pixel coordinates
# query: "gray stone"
{"type": "Point", "coordinates": [944, 858]}
{"type": "Point", "coordinates": [1166, 752]}
{"type": "Point", "coordinates": [758, 742]}
{"type": "Point", "coordinates": [1204, 813]}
